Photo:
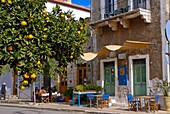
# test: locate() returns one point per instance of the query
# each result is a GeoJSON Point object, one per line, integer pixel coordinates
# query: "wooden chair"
{"type": "Point", "coordinates": [91, 98]}
{"type": "Point", "coordinates": [104, 101]}
{"type": "Point", "coordinates": [132, 103]}
{"type": "Point", "coordinates": [154, 106]}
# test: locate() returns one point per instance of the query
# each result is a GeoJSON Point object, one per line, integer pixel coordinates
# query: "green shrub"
{"type": "Point", "coordinates": [79, 88]}
{"type": "Point", "coordinates": [68, 92]}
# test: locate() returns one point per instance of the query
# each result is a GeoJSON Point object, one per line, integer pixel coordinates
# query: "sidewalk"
{"type": "Point", "coordinates": [115, 109]}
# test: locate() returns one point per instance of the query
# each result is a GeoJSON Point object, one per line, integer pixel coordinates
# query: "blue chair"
{"type": "Point", "coordinates": [90, 97]}
{"type": "Point", "coordinates": [131, 102]}
{"type": "Point", "coordinates": [104, 101]}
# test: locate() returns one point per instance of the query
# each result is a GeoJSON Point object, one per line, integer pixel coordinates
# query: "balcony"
{"type": "Point", "coordinates": [122, 16]}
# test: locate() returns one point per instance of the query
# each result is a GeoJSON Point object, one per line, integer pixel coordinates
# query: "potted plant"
{"type": "Point", "coordinates": [68, 94]}
{"type": "Point", "coordinates": [79, 88]}
{"type": "Point", "coordinates": [165, 86]}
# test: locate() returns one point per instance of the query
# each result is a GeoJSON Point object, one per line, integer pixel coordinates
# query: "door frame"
{"type": "Point", "coordinates": [102, 61]}
{"type": "Point", "coordinates": [84, 73]}
{"type": "Point", "coordinates": [131, 58]}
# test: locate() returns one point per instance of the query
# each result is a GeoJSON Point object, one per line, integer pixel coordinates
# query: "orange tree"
{"type": "Point", "coordinates": [31, 38]}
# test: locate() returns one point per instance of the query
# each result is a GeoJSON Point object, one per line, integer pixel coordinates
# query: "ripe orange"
{"type": "Point", "coordinates": [25, 82]}
{"type": "Point", "coordinates": [33, 76]}
{"type": "Point", "coordinates": [62, 15]}
{"type": "Point", "coordinates": [31, 16]}
{"type": "Point", "coordinates": [45, 36]}
{"type": "Point", "coordinates": [9, 2]}
{"type": "Point", "coordinates": [22, 87]}
{"type": "Point", "coordinates": [45, 29]}
{"type": "Point", "coordinates": [30, 36]}
{"type": "Point", "coordinates": [78, 32]}
{"type": "Point", "coordinates": [44, 11]}
{"type": "Point", "coordinates": [10, 48]}
{"type": "Point", "coordinates": [47, 18]}
{"type": "Point", "coordinates": [81, 28]}
{"type": "Point", "coordinates": [71, 57]}
{"type": "Point", "coordinates": [38, 62]}
{"type": "Point", "coordinates": [23, 23]}
{"type": "Point", "coordinates": [82, 41]}
{"type": "Point", "coordinates": [26, 76]}
{"type": "Point", "coordinates": [3, 1]}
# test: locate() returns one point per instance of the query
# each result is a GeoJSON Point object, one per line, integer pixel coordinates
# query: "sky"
{"type": "Point", "coordinates": [85, 3]}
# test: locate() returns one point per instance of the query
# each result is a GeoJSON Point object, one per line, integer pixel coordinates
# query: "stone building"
{"type": "Point", "coordinates": [132, 68]}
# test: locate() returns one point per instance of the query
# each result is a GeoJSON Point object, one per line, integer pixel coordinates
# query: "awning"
{"type": "Point", "coordinates": [128, 45]}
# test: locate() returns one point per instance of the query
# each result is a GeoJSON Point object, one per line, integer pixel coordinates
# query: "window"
{"type": "Point", "coordinates": [109, 6]}
{"type": "Point", "coordinates": [139, 4]}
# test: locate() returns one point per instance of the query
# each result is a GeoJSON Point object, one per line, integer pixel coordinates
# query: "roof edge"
{"type": "Point", "coordinates": [70, 5]}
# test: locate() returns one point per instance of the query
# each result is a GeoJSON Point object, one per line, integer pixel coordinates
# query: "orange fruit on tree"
{"type": "Point", "coordinates": [78, 32]}
{"type": "Point", "coordinates": [82, 41]}
{"type": "Point", "coordinates": [23, 23]}
{"type": "Point", "coordinates": [47, 18]}
{"type": "Point", "coordinates": [3, 1]}
{"type": "Point", "coordinates": [71, 56]}
{"type": "Point", "coordinates": [26, 76]}
{"type": "Point", "coordinates": [25, 82]}
{"type": "Point", "coordinates": [31, 16]}
{"type": "Point", "coordinates": [30, 36]}
{"type": "Point", "coordinates": [62, 15]}
{"type": "Point", "coordinates": [38, 62]}
{"type": "Point", "coordinates": [9, 2]}
{"type": "Point", "coordinates": [45, 36]}
{"type": "Point", "coordinates": [81, 28]}
{"type": "Point", "coordinates": [33, 76]}
{"type": "Point", "coordinates": [45, 29]}
{"type": "Point", "coordinates": [22, 87]}
{"type": "Point", "coordinates": [44, 11]}
{"type": "Point", "coordinates": [10, 48]}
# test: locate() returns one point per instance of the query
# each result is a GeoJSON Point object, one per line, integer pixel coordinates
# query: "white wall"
{"type": "Point", "coordinates": [77, 13]}
{"type": "Point", "coordinates": [7, 78]}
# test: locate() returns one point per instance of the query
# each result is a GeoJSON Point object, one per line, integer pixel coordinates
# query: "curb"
{"type": "Point", "coordinates": [54, 109]}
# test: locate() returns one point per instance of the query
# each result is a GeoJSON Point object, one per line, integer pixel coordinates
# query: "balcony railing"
{"type": "Point", "coordinates": [136, 5]}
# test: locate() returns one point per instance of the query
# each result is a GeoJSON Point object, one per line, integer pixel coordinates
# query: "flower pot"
{"type": "Point", "coordinates": [167, 103]}
{"type": "Point", "coordinates": [66, 98]}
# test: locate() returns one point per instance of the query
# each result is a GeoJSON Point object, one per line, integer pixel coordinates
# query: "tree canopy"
{"type": "Point", "coordinates": [31, 37]}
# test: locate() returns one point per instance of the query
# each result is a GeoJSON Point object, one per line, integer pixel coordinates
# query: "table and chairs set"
{"type": "Point", "coordinates": [95, 99]}
{"type": "Point", "coordinates": [147, 103]}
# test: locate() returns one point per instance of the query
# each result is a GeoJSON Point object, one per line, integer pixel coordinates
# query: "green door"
{"type": "Point", "coordinates": [139, 77]}
{"type": "Point", "coordinates": [109, 78]}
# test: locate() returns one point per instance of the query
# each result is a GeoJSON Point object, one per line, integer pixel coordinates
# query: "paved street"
{"type": "Point", "coordinates": [16, 110]}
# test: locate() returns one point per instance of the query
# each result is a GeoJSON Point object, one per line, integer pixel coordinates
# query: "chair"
{"type": "Point", "coordinates": [90, 97]}
{"type": "Point", "coordinates": [131, 102]}
{"type": "Point", "coordinates": [153, 104]}
{"type": "Point", "coordinates": [104, 101]}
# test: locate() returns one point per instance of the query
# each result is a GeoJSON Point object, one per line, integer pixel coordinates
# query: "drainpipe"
{"type": "Point", "coordinates": [91, 62]}
{"type": "Point", "coordinates": [91, 46]}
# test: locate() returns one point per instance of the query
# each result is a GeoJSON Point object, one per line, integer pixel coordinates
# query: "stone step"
{"type": "Point", "coordinates": [12, 97]}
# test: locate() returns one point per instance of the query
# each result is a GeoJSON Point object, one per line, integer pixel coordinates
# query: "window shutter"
{"type": "Point", "coordinates": [106, 6]}
{"type": "Point", "coordinates": [135, 4]}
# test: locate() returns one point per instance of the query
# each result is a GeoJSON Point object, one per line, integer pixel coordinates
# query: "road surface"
{"type": "Point", "coordinates": [15, 110]}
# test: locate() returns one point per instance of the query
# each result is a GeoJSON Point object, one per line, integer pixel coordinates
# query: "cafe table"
{"type": "Point", "coordinates": [146, 98]}
{"type": "Point", "coordinates": [78, 96]}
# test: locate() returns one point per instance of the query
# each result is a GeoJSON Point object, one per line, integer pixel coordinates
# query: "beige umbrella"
{"type": "Point", "coordinates": [128, 45]}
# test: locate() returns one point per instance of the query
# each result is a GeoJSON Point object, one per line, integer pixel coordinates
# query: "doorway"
{"type": "Point", "coordinates": [109, 75]}
{"type": "Point", "coordinates": [109, 78]}
{"type": "Point", "coordinates": [81, 75]}
{"type": "Point", "coordinates": [139, 76]}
